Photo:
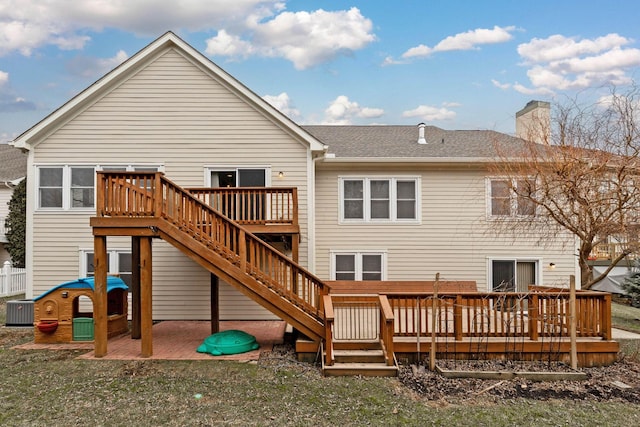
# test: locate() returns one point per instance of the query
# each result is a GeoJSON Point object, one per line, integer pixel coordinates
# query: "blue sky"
{"type": "Point", "coordinates": [457, 64]}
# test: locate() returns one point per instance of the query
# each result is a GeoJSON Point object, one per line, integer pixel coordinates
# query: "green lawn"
{"type": "Point", "coordinates": [625, 317]}
{"type": "Point", "coordinates": [43, 388]}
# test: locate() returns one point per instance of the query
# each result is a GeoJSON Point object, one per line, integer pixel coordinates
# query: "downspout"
{"type": "Point", "coordinates": [311, 207]}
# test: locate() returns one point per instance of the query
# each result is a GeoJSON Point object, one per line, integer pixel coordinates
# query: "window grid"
{"type": "Point", "coordinates": [358, 265]}
{"type": "Point", "coordinates": [379, 199]}
{"type": "Point", "coordinates": [504, 202]}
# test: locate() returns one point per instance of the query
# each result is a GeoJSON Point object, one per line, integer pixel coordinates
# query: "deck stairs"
{"type": "Point", "coordinates": [140, 204]}
{"type": "Point", "coordinates": [363, 359]}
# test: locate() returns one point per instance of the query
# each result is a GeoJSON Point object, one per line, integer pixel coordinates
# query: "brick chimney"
{"type": "Point", "coordinates": [533, 122]}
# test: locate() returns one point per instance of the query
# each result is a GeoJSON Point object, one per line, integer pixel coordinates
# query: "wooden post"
{"type": "Point", "coordinates": [295, 247]}
{"type": "Point", "coordinates": [215, 304]}
{"type": "Point", "coordinates": [434, 307]}
{"type": "Point", "coordinates": [146, 296]}
{"type": "Point", "coordinates": [100, 331]}
{"type": "Point", "coordinates": [572, 321]}
{"type": "Point", "coordinates": [135, 288]}
{"type": "Point", "coordinates": [606, 318]}
{"type": "Point", "coordinates": [534, 302]}
{"type": "Point", "coordinates": [457, 318]}
{"type": "Point", "coordinates": [242, 250]}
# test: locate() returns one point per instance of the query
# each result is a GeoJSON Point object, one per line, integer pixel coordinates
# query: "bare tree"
{"type": "Point", "coordinates": [582, 175]}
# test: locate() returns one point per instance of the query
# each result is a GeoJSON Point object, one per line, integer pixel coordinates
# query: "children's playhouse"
{"type": "Point", "coordinates": [60, 315]}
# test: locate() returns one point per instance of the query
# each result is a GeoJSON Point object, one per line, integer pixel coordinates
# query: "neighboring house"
{"type": "Point", "coordinates": [374, 202]}
{"type": "Point", "coordinates": [13, 169]}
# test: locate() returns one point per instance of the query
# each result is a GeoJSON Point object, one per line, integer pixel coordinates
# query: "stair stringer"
{"type": "Point", "coordinates": [209, 259]}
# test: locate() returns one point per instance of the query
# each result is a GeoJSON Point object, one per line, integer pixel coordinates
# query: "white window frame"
{"type": "Point", "coordinates": [393, 200]}
{"type": "Point", "coordinates": [208, 170]}
{"type": "Point", "coordinates": [114, 261]}
{"type": "Point", "coordinates": [358, 261]}
{"type": "Point", "coordinates": [513, 199]}
{"type": "Point", "coordinates": [130, 167]}
{"type": "Point", "coordinates": [67, 203]}
{"type": "Point", "coordinates": [490, 260]}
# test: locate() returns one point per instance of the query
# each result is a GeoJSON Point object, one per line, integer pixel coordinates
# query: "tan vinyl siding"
{"type": "Point", "coordinates": [454, 237]}
{"type": "Point", "coordinates": [174, 114]}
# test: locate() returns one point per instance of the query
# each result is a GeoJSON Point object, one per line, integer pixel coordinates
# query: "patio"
{"type": "Point", "coordinates": [178, 340]}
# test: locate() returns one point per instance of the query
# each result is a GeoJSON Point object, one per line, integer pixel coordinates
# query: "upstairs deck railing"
{"type": "Point", "coordinates": [252, 205]}
{"type": "Point", "coordinates": [609, 251]}
{"type": "Point", "coordinates": [143, 194]}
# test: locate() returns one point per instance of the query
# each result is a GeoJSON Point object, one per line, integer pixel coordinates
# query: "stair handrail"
{"type": "Point", "coordinates": [386, 329]}
{"type": "Point", "coordinates": [151, 194]}
{"type": "Point", "coordinates": [329, 318]}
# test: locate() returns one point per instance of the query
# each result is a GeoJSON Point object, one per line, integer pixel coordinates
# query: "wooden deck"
{"type": "Point", "coordinates": [214, 228]}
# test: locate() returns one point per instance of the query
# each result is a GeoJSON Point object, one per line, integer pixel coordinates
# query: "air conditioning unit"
{"type": "Point", "coordinates": [20, 312]}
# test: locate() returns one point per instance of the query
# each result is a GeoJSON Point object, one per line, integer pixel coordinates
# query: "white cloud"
{"type": "Point", "coordinates": [558, 47]}
{"type": "Point", "coordinates": [26, 25]}
{"type": "Point", "coordinates": [429, 113]}
{"type": "Point", "coordinates": [4, 78]}
{"type": "Point", "coordinates": [89, 67]}
{"type": "Point", "coordinates": [283, 104]}
{"type": "Point", "coordinates": [464, 41]}
{"type": "Point", "coordinates": [244, 27]}
{"type": "Point", "coordinates": [304, 38]}
{"type": "Point", "coordinates": [342, 111]}
{"type": "Point", "coordinates": [503, 86]}
{"type": "Point", "coordinates": [565, 63]}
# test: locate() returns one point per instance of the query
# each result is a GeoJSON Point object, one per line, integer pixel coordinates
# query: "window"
{"type": "Point", "coordinates": [373, 199]}
{"type": "Point", "coordinates": [511, 275]}
{"type": "Point", "coordinates": [358, 265]}
{"type": "Point", "coordinates": [239, 177]}
{"type": "Point", "coordinates": [66, 187]}
{"type": "Point", "coordinates": [82, 187]}
{"type": "Point", "coordinates": [50, 187]}
{"type": "Point", "coordinates": [504, 202]}
{"type": "Point", "coordinates": [119, 262]}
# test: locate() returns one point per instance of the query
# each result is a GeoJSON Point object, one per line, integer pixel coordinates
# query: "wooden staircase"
{"type": "Point", "coordinates": [364, 360]}
{"type": "Point", "coordinates": [148, 204]}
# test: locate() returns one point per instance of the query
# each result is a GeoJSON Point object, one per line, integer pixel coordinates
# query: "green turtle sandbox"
{"type": "Point", "coordinates": [228, 342]}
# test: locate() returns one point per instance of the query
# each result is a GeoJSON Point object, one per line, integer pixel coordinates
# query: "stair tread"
{"type": "Point", "coordinates": [358, 353]}
{"type": "Point", "coordinates": [361, 365]}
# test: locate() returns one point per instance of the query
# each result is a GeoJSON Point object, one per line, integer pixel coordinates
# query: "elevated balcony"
{"type": "Point", "coordinates": [257, 209]}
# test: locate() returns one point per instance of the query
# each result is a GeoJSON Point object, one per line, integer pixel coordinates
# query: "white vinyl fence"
{"type": "Point", "coordinates": [13, 281]}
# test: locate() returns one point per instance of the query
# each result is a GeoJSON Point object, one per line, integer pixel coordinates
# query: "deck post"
{"type": "Point", "coordinates": [135, 287]}
{"type": "Point", "coordinates": [457, 318]}
{"type": "Point", "coordinates": [146, 296]}
{"type": "Point", "coordinates": [157, 195]}
{"type": "Point", "coordinates": [215, 304]}
{"type": "Point", "coordinates": [572, 321]}
{"type": "Point", "coordinates": [100, 296]}
{"type": "Point", "coordinates": [606, 318]}
{"type": "Point", "coordinates": [532, 311]}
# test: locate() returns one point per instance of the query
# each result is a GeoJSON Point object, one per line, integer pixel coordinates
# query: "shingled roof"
{"type": "Point", "coordinates": [394, 142]}
{"type": "Point", "coordinates": [13, 163]}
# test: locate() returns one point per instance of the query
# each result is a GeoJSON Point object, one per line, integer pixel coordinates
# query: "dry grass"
{"type": "Point", "coordinates": [43, 388]}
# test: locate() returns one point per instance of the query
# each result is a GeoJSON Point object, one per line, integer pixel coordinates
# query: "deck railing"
{"type": "Point", "coordinates": [609, 251]}
{"type": "Point", "coordinates": [252, 205]}
{"type": "Point", "coordinates": [358, 318]}
{"type": "Point", "coordinates": [141, 194]}
{"type": "Point", "coordinates": [500, 314]}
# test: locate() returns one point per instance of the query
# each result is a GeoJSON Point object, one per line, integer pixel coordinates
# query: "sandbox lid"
{"type": "Point", "coordinates": [228, 342]}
